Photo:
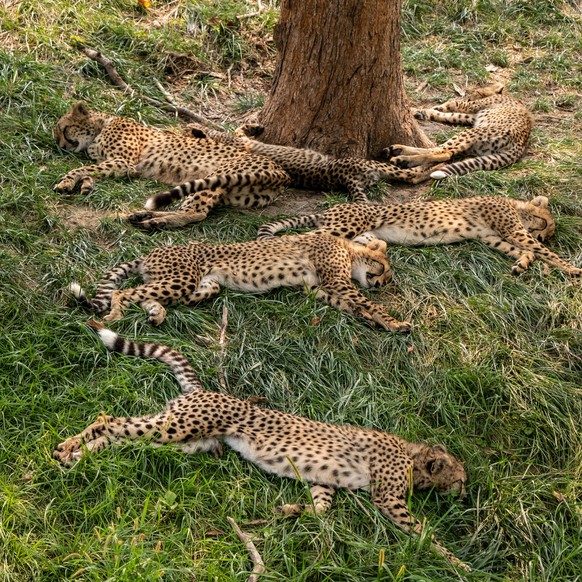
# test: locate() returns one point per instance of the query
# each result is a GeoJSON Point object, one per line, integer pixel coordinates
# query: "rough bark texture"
{"type": "Point", "coordinates": [338, 86]}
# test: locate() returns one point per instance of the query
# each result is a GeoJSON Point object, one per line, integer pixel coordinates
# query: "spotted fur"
{"type": "Point", "coordinates": [221, 173]}
{"type": "Point", "coordinates": [307, 168]}
{"type": "Point", "coordinates": [327, 456]}
{"type": "Point", "coordinates": [194, 272]}
{"type": "Point", "coordinates": [511, 226]}
{"type": "Point", "coordinates": [500, 131]}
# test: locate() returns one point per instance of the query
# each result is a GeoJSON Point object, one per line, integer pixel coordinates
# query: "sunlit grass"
{"type": "Point", "coordinates": [492, 368]}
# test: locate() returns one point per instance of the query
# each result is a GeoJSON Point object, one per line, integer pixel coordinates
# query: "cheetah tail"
{"type": "Point", "coordinates": [212, 183]}
{"type": "Point", "coordinates": [270, 229]}
{"type": "Point", "coordinates": [490, 162]}
{"type": "Point", "coordinates": [181, 367]}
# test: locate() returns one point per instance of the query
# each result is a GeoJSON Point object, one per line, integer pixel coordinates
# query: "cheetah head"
{"type": "Point", "coordinates": [370, 267]}
{"type": "Point", "coordinates": [435, 467]}
{"type": "Point", "coordinates": [536, 217]}
{"type": "Point", "coordinates": [77, 129]}
{"type": "Point", "coordinates": [487, 91]}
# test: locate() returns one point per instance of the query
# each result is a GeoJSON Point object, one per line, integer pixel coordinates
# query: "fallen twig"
{"type": "Point", "coordinates": [258, 564]}
{"type": "Point", "coordinates": [222, 347]}
{"type": "Point", "coordinates": [170, 105]}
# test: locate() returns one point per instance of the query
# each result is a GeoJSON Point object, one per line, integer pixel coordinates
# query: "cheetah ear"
{"type": "Point", "coordinates": [435, 466]}
{"type": "Point", "coordinates": [540, 201]}
{"type": "Point", "coordinates": [80, 109]}
{"type": "Point", "coordinates": [197, 132]}
{"type": "Point", "coordinates": [439, 449]}
{"type": "Point", "coordinates": [499, 88]}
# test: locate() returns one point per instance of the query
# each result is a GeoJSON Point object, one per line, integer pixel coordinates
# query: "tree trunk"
{"type": "Point", "coordinates": [338, 86]}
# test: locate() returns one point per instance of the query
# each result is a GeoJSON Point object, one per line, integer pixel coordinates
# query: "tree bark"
{"type": "Point", "coordinates": [338, 86]}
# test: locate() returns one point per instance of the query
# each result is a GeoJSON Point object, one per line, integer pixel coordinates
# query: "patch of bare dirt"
{"type": "Point", "coordinates": [75, 217]}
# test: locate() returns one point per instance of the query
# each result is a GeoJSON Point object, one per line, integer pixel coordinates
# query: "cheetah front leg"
{"type": "Point", "coordinates": [118, 168]}
{"type": "Point", "coordinates": [195, 208]}
{"type": "Point", "coordinates": [347, 298]}
{"type": "Point", "coordinates": [395, 509]}
{"type": "Point", "coordinates": [321, 498]}
{"type": "Point", "coordinates": [524, 247]}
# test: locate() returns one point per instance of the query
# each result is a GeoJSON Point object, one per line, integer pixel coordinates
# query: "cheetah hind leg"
{"type": "Point", "coordinates": [150, 296]}
{"type": "Point", "coordinates": [195, 208]}
{"type": "Point", "coordinates": [107, 430]}
{"type": "Point", "coordinates": [321, 498]}
{"type": "Point", "coordinates": [408, 157]}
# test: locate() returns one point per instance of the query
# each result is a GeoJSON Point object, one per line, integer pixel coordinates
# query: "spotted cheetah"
{"type": "Point", "coordinates": [194, 272]}
{"type": "Point", "coordinates": [498, 138]}
{"type": "Point", "coordinates": [510, 226]}
{"type": "Point", "coordinates": [327, 456]}
{"type": "Point", "coordinates": [307, 168]}
{"type": "Point", "coordinates": [222, 173]}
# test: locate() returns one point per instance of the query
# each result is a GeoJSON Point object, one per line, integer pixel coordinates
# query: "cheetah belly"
{"type": "Point", "coordinates": [456, 232]}
{"type": "Point", "coordinates": [334, 467]}
{"type": "Point", "coordinates": [272, 273]}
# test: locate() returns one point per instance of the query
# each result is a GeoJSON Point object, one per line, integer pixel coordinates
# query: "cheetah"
{"type": "Point", "coordinates": [194, 272]}
{"type": "Point", "coordinates": [510, 226]}
{"type": "Point", "coordinates": [307, 168]}
{"type": "Point", "coordinates": [327, 456]}
{"type": "Point", "coordinates": [222, 173]}
{"type": "Point", "coordinates": [501, 127]}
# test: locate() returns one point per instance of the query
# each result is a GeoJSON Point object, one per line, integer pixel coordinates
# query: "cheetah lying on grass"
{"type": "Point", "coordinates": [510, 226]}
{"type": "Point", "coordinates": [194, 272]}
{"type": "Point", "coordinates": [327, 456]}
{"type": "Point", "coordinates": [221, 173]}
{"type": "Point", "coordinates": [307, 169]}
{"type": "Point", "coordinates": [498, 138]}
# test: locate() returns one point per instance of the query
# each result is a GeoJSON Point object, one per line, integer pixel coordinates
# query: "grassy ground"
{"type": "Point", "coordinates": [492, 368]}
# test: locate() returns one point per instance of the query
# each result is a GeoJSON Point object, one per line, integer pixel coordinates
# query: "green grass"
{"type": "Point", "coordinates": [492, 368]}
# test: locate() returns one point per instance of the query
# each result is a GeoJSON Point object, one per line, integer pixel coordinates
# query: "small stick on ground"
{"type": "Point", "coordinates": [116, 79]}
{"type": "Point", "coordinates": [222, 347]}
{"type": "Point", "coordinates": [258, 564]}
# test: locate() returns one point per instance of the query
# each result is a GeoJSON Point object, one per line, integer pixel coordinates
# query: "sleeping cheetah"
{"type": "Point", "coordinates": [327, 456]}
{"type": "Point", "coordinates": [307, 168]}
{"type": "Point", "coordinates": [222, 173]}
{"type": "Point", "coordinates": [194, 272]}
{"type": "Point", "coordinates": [499, 136]}
{"type": "Point", "coordinates": [511, 226]}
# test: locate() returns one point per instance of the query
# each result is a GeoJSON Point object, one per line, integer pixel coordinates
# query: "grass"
{"type": "Point", "coordinates": [492, 368]}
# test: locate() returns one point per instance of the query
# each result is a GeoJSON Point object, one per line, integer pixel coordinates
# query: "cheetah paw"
{"type": "Point", "coordinates": [65, 186]}
{"type": "Point", "coordinates": [69, 451]}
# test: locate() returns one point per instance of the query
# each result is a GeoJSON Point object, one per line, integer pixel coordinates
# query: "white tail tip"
{"type": "Point", "coordinates": [108, 337]}
{"type": "Point", "coordinates": [439, 175]}
{"type": "Point", "coordinates": [150, 203]}
{"type": "Point", "coordinates": [77, 290]}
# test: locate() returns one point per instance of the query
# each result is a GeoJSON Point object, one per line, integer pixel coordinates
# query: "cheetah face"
{"type": "Point", "coordinates": [75, 130]}
{"type": "Point", "coordinates": [537, 218]}
{"type": "Point", "coordinates": [487, 91]}
{"type": "Point", "coordinates": [440, 470]}
{"type": "Point", "coordinates": [370, 267]}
